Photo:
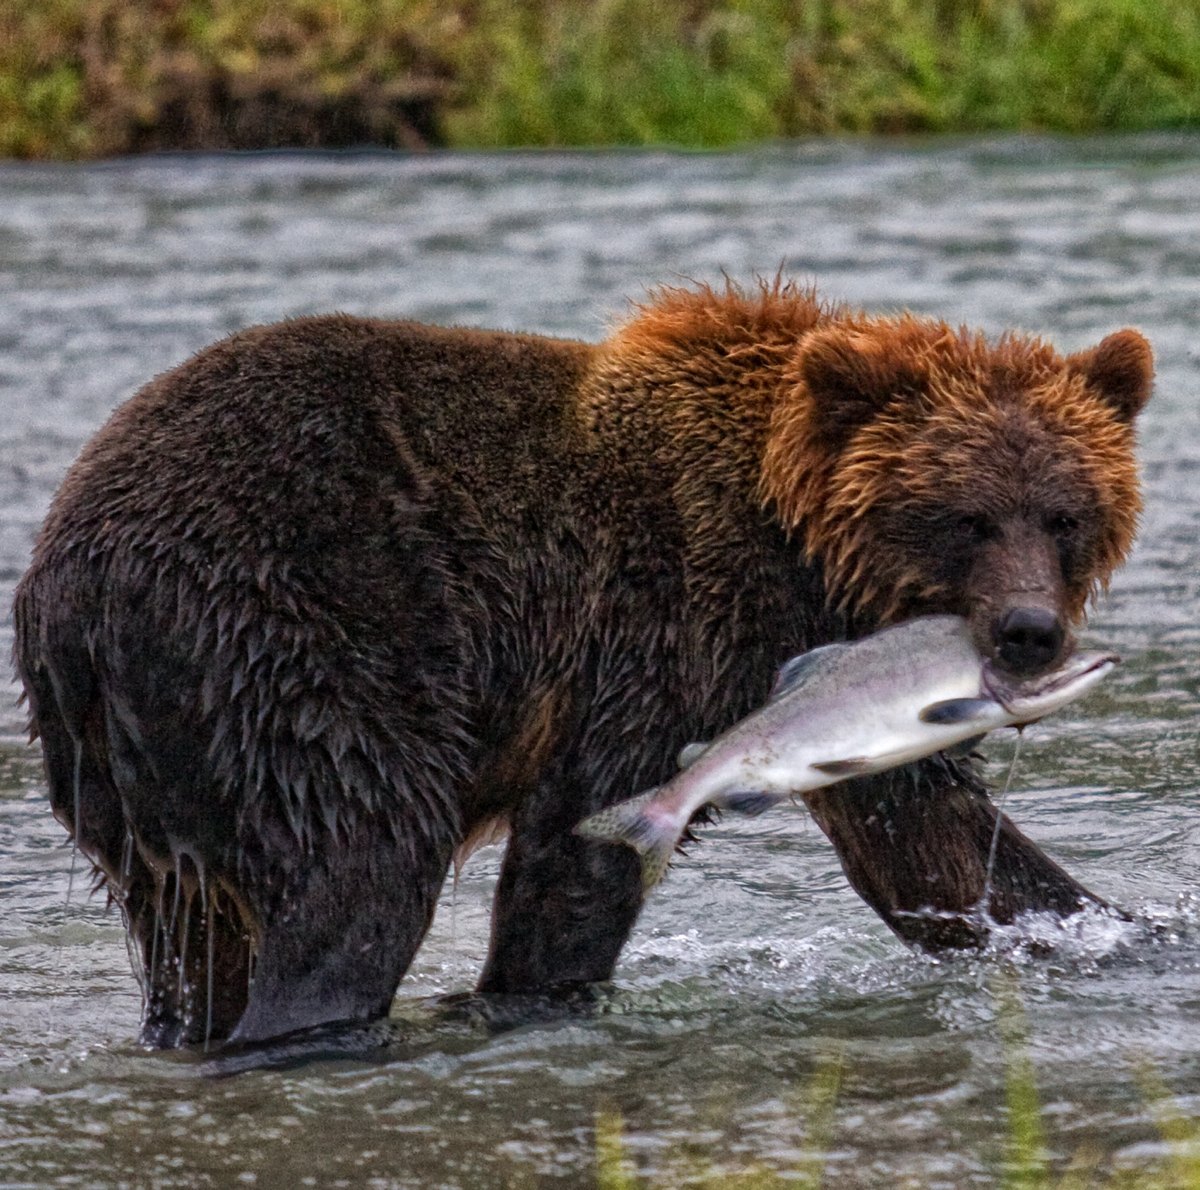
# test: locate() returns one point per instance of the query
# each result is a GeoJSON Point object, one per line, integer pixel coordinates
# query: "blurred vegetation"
{"type": "Point", "coordinates": [81, 78]}
{"type": "Point", "coordinates": [94, 77]}
{"type": "Point", "coordinates": [1026, 1165]}
{"type": "Point", "coordinates": [615, 1171]}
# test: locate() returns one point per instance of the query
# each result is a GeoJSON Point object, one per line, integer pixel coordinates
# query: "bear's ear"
{"type": "Point", "coordinates": [1121, 369]}
{"type": "Point", "coordinates": [850, 376]}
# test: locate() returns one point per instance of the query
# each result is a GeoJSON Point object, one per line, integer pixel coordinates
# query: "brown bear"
{"type": "Point", "coordinates": [333, 598]}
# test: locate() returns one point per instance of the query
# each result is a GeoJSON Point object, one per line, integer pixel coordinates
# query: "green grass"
{"type": "Point", "coordinates": [1025, 1163]}
{"type": "Point", "coordinates": [627, 72]}
{"type": "Point", "coordinates": [635, 72]}
{"type": "Point", "coordinates": [90, 77]}
{"type": "Point", "coordinates": [82, 78]}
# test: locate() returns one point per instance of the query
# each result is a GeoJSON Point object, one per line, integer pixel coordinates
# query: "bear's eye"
{"type": "Point", "coordinates": [1062, 524]}
{"type": "Point", "coordinates": [975, 527]}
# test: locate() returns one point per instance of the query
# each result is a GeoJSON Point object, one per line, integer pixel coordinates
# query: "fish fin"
{"type": "Point", "coordinates": [858, 766]}
{"type": "Point", "coordinates": [956, 710]}
{"type": "Point", "coordinates": [652, 837]}
{"type": "Point", "coordinates": [689, 754]}
{"type": "Point", "coordinates": [746, 801]}
{"type": "Point", "coordinates": [792, 672]}
{"type": "Point", "coordinates": [965, 747]}
{"type": "Point", "coordinates": [853, 767]}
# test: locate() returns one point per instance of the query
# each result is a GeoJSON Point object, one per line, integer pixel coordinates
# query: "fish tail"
{"type": "Point", "coordinates": [652, 836]}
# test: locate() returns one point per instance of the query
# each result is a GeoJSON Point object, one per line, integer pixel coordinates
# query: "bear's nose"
{"type": "Point", "coordinates": [1029, 639]}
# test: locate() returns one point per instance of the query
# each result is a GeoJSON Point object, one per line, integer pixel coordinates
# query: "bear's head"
{"type": "Point", "coordinates": [930, 471]}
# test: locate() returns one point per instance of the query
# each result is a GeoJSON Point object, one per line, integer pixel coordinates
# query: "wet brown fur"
{"type": "Point", "coordinates": [320, 605]}
{"type": "Point", "coordinates": [935, 404]}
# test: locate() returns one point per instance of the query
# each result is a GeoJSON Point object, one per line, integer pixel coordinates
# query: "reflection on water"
{"type": "Point", "coordinates": [708, 1041]}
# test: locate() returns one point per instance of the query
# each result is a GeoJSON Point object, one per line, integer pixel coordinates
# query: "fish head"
{"type": "Point", "coordinates": [1028, 699]}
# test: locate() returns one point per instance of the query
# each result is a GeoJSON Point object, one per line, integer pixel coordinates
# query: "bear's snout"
{"type": "Point", "coordinates": [1029, 640]}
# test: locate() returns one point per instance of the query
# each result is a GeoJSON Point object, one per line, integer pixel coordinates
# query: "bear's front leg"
{"type": "Point", "coordinates": [914, 843]}
{"type": "Point", "coordinates": [564, 905]}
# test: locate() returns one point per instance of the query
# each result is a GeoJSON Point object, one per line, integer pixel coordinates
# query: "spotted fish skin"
{"type": "Point", "coordinates": [651, 835]}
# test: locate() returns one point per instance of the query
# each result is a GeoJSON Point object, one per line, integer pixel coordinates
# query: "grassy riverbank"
{"type": "Point", "coordinates": [81, 78]}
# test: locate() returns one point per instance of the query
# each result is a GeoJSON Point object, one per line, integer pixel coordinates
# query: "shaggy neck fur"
{"type": "Point", "coordinates": [842, 415]}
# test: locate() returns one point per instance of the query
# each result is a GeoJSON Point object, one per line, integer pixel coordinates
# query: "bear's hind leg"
{"type": "Point", "coordinates": [337, 933]}
{"type": "Point", "coordinates": [190, 951]}
{"type": "Point", "coordinates": [194, 946]}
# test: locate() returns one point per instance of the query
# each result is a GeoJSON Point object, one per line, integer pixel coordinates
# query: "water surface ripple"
{"type": "Point", "coordinates": [708, 1043]}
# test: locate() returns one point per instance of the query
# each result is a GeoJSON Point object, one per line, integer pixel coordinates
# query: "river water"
{"type": "Point", "coordinates": [755, 973]}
